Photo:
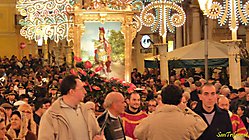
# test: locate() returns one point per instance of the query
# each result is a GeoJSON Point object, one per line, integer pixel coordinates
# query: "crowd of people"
{"type": "Point", "coordinates": [47, 103]}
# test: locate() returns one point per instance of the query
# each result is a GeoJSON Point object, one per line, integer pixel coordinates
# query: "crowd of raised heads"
{"type": "Point", "coordinates": [191, 82]}
{"type": "Point", "coordinates": [28, 88]}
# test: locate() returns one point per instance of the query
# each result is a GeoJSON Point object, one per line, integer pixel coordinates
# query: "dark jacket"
{"type": "Point", "coordinates": [108, 129]}
{"type": "Point", "coordinates": [220, 127]}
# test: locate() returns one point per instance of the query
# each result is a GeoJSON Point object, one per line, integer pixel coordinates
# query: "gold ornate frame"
{"type": "Point", "coordinates": [105, 15]}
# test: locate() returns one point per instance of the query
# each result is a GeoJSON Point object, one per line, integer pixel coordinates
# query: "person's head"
{"type": "Point", "coordinates": [171, 95]}
{"type": "Point", "coordinates": [151, 82]}
{"type": "Point", "coordinates": [234, 94]}
{"type": "Point", "coordinates": [164, 82]}
{"type": "Point", "coordinates": [241, 110]}
{"type": "Point", "coordinates": [8, 109]}
{"type": "Point", "coordinates": [73, 87]}
{"type": "Point", "coordinates": [53, 89]}
{"type": "Point", "coordinates": [42, 105]}
{"type": "Point", "coordinates": [2, 129]}
{"type": "Point", "coordinates": [46, 103]}
{"type": "Point", "coordinates": [24, 97]}
{"type": "Point", "coordinates": [241, 92]}
{"type": "Point", "coordinates": [225, 91]}
{"type": "Point", "coordinates": [3, 114]}
{"type": "Point", "coordinates": [152, 105]}
{"type": "Point", "coordinates": [217, 86]}
{"type": "Point", "coordinates": [26, 110]}
{"type": "Point", "coordinates": [177, 83]}
{"type": "Point", "coordinates": [135, 70]}
{"type": "Point", "coordinates": [198, 85]}
{"type": "Point", "coordinates": [134, 101]}
{"type": "Point", "coordinates": [208, 96]}
{"type": "Point", "coordinates": [11, 96]}
{"type": "Point", "coordinates": [223, 102]}
{"type": "Point", "coordinates": [115, 103]}
{"type": "Point", "coordinates": [15, 120]}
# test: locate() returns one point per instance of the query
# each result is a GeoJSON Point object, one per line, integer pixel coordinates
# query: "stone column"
{"type": "Point", "coordinates": [127, 29]}
{"type": "Point", "coordinates": [234, 64]}
{"type": "Point", "coordinates": [69, 51]}
{"type": "Point", "coordinates": [138, 60]}
{"type": "Point", "coordinates": [57, 53]}
{"type": "Point", "coordinates": [164, 67]}
{"type": "Point", "coordinates": [179, 37]}
{"type": "Point", "coordinates": [247, 37]}
{"type": "Point", "coordinates": [45, 50]}
{"type": "Point", "coordinates": [196, 26]}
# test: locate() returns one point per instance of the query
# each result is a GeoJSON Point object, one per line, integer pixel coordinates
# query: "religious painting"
{"type": "Point", "coordinates": [104, 46]}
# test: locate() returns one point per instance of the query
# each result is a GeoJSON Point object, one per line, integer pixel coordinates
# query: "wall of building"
{"type": "Point", "coordinates": [8, 37]}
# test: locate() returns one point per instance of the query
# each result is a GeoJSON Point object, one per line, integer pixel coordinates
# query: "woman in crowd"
{"type": "Point", "coordinates": [3, 135]}
{"type": "Point", "coordinates": [18, 129]}
{"type": "Point", "coordinates": [3, 116]}
{"type": "Point", "coordinates": [27, 112]}
{"type": "Point", "coordinates": [241, 111]}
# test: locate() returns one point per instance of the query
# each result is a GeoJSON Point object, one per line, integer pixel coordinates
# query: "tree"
{"type": "Point", "coordinates": [116, 39]}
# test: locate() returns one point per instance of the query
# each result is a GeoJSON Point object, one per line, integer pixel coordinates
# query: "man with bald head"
{"type": "Point", "coordinates": [109, 121]}
{"type": "Point", "coordinates": [239, 128]}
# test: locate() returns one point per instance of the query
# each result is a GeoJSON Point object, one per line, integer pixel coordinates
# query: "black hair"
{"type": "Point", "coordinates": [23, 96]}
{"type": "Point", "coordinates": [171, 94]}
{"type": "Point", "coordinates": [16, 113]}
{"type": "Point", "coordinates": [243, 108]}
{"type": "Point", "coordinates": [40, 102]}
{"type": "Point", "coordinates": [241, 90]}
{"type": "Point", "coordinates": [129, 95]}
{"type": "Point", "coordinates": [69, 82]}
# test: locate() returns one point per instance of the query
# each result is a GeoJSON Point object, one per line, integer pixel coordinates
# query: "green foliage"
{"type": "Point", "coordinates": [116, 39]}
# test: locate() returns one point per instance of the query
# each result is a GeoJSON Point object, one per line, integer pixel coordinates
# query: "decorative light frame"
{"type": "Point", "coordinates": [164, 18]}
{"type": "Point", "coordinates": [232, 10]}
{"type": "Point", "coordinates": [47, 19]}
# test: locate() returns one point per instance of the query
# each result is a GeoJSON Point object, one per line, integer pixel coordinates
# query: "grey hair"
{"type": "Point", "coordinates": [110, 98]}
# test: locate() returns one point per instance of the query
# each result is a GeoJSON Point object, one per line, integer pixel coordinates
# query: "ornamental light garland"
{"type": "Point", "coordinates": [232, 10]}
{"type": "Point", "coordinates": [46, 19]}
{"type": "Point", "coordinates": [167, 16]}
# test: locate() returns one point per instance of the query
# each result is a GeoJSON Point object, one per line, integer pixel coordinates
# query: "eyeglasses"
{"type": "Point", "coordinates": [28, 112]}
{"type": "Point", "coordinates": [152, 105]}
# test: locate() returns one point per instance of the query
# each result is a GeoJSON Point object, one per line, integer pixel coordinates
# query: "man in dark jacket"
{"type": "Point", "coordinates": [218, 120]}
{"type": "Point", "coordinates": [109, 121]}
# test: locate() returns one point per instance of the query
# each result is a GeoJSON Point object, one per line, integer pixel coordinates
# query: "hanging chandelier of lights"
{"type": "Point", "coordinates": [232, 10]}
{"type": "Point", "coordinates": [46, 19]}
{"type": "Point", "coordinates": [166, 15]}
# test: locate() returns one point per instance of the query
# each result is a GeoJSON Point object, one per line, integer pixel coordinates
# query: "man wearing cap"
{"type": "Point", "coordinates": [53, 93]}
{"type": "Point", "coordinates": [11, 98]}
{"type": "Point", "coordinates": [8, 109]}
{"type": "Point", "coordinates": [241, 100]}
